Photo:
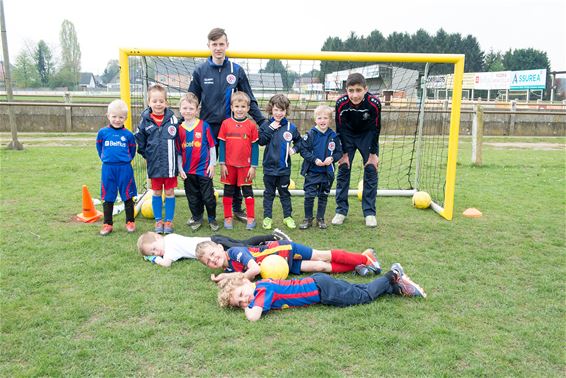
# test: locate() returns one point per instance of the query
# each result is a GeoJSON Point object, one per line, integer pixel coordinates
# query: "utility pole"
{"type": "Point", "coordinates": [14, 144]}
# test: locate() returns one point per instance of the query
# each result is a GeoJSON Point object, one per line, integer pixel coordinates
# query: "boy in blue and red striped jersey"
{"type": "Point", "coordinates": [156, 137]}
{"type": "Point", "coordinates": [257, 299]}
{"type": "Point", "coordinates": [238, 158]}
{"type": "Point", "coordinates": [116, 148]}
{"type": "Point", "coordinates": [199, 159]}
{"type": "Point", "coordinates": [300, 258]}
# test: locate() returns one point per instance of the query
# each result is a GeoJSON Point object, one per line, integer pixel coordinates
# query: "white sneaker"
{"type": "Point", "coordinates": [371, 221]}
{"type": "Point", "coordinates": [338, 219]}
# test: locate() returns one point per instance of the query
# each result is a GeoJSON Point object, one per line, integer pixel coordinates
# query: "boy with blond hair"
{"type": "Point", "coordinates": [320, 148]}
{"type": "Point", "coordinates": [197, 146]}
{"type": "Point", "coordinates": [257, 299]}
{"type": "Point", "coordinates": [238, 157]}
{"type": "Point", "coordinates": [116, 147]}
{"type": "Point", "coordinates": [157, 142]}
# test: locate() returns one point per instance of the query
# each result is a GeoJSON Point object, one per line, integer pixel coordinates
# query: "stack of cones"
{"type": "Point", "coordinates": [89, 214]}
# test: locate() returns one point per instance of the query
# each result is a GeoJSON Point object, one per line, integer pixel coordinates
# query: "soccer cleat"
{"type": "Point", "coordinates": [158, 227]}
{"type": "Point", "coordinates": [290, 223]}
{"type": "Point", "coordinates": [228, 224]}
{"type": "Point", "coordinates": [251, 224]}
{"type": "Point", "coordinates": [267, 223]}
{"type": "Point", "coordinates": [407, 287]}
{"type": "Point", "coordinates": [371, 221]}
{"type": "Point", "coordinates": [241, 216]}
{"type": "Point", "coordinates": [168, 228]}
{"type": "Point", "coordinates": [321, 224]}
{"type": "Point", "coordinates": [194, 224]}
{"type": "Point", "coordinates": [361, 270]}
{"type": "Point", "coordinates": [280, 235]}
{"type": "Point", "coordinates": [130, 226]}
{"type": "Point", "coordinates": [373, 264]}
{"type": "Point", "coordinates": [106, 229]}
{"type": "Point", "coordinates": [338, 219]}
{"type": "Point", "coordinates": [307, 223]}
{"type": "Point", "coordinates": [214, 226]}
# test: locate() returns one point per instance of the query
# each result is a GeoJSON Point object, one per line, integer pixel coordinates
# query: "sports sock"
{"type": "Point", "coordinates": [108, 207]}
{"type": "Point", "coordinates": [157, 205]}
{"type": "Point", "coordinates": [344, 257]}
{"type": "Point", "coordinates": [129, 209]}
{"type": "Point", "coordinates": [341, 268]}
{"type": "Point", "coordinates": [169, 209]}
{"type": "Point", "coordinates": [227, 202]}
{"type": "Point", "coordinates": [250, 207]}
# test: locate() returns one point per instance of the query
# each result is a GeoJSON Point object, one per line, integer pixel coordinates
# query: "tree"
{"type": "Point", "coordinates": [525, 59]}
{"type": "Point", "coordinates": [25, 73]}
{"type": "Point", "coordinates": [111, 70]}
{"type": "Point", "coordinates": [474, 55]}
{"type": "Point", "coordinates": [493, 62]}
{"type": "Point", "coordinates": [71, 53]}
{"type": "Point", "coordinates": [275, 66]}
{"type": "Point", "coordinates": [43, 62]}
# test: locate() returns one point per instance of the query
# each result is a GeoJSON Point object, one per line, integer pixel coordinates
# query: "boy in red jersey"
{"type": "Point", "coordinates": [238, 157]}
{"type": "Point", "coordinates": [156, 137]}
{"type": "Point", "coordinates": [262, 296]}
{"type": "Point", "coordinates": [196, 144]}
{"type": "Point", "coordinates": [300, 258]}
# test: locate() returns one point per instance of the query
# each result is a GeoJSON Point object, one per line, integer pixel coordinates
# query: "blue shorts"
{"type": "Point", "coordinates": [300, 252]}
{"type": "Point", "coordinates": [117, 177]}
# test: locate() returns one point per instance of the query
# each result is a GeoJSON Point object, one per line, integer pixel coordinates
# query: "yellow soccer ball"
{"type": "Point", "coordinates": [292, 184]}
{"type": "Point", "coordinates": [216, 195]}
{"type": "Point", "coordinates": [147, 209]}
{"type": "Point", "coordinates": [360, 189]}
{"type": "Point", "coordinates": [274, 267]}
{"type": "Point", "coordinates": [421, 200]}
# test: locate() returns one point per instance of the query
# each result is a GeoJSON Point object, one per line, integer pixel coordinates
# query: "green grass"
{"type": "Point", "coordinates": [76, 304]}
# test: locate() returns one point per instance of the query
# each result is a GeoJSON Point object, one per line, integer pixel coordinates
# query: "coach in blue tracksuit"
{"type": "Point", "coordinates": [213, 83]}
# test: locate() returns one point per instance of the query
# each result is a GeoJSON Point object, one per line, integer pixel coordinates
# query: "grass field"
{"type": "Point", "coordinates": [77, 304]}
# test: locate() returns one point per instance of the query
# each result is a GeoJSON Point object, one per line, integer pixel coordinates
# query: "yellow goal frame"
{"type": "Point", "coordinates": [456, 59]}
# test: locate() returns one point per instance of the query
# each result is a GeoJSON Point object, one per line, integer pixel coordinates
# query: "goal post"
{"type": "Point", "coordinates": [419, 136]}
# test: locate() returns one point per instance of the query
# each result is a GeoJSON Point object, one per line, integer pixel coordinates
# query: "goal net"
{"type": "Point", "coordinates": [419, 135]}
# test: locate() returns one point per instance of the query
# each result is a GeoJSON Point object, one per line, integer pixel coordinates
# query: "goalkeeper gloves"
{"type": "Point", "coordinates": [150, 258]}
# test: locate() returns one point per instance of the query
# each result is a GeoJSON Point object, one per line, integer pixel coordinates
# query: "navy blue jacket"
{"type": "Point", "coordinates": [214, 84]}
{"type": "Point", "coordinates": [362, 120]}
{"type": "Point", "coordinates": [276, 160]}
{"type": "Point", "coordinates": [318, 145]}
{"type": "Point", "coordinates": [115, 146]}
{"type": "Point", "coordinates": [157, 144]}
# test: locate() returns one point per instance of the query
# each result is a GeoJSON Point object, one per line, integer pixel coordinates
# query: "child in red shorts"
{"type": "Point", "coordinates": [156, 138]}
{"type": "Point", "coordinates": [238, 158]}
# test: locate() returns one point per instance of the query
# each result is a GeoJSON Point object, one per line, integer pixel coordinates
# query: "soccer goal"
{"type": "Point", "coordinates": [419, 135]}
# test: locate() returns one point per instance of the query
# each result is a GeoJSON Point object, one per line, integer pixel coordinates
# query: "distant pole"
{"type": "Point", "coordinates": [14, 144]}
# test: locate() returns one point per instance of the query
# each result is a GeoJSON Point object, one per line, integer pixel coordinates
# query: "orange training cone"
{"type": "Point", "coordinates": [89, 214]}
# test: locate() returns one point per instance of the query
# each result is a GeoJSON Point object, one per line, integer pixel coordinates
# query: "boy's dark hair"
{"type": "Point", "coordinates": [279, 100]}
{"type": "Point", "coordinates": [356, 79]}
{"type": "Point", "coordinates": [216, 33]}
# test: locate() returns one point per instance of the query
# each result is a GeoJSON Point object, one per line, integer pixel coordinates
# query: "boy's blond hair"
{"type": "Point", "coordinates": [190, 98]}
{"type": "Point", "coordinates": [118, 106]}
{"type": "Point", "coordinates": [202, 247]}
{"type": "Point", "coordinates": [227, 286]}
{"type": "Point", "coordinates": [240, 97]}
{"type": "Point", "coordinates": [323, 109]}
{"type": "Point", "coordinates": [146, 239]}
{"type": "Point", "coordinates": [156, 88]}
{"type": "Point", "coordinates": [279, 100]}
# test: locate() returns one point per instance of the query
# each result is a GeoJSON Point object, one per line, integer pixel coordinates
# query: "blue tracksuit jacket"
{"type": "Point", "coordinates": [214, 84]}
{"type": "Point", "coordinates": [157, 144]}
{"type": "Point", "coordinates": [276, 159]}
{"type": "Point", "coordinates": [317, 145]}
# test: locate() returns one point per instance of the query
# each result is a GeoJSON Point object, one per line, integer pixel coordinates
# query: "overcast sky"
{"type": "Point", "coordinates": [104, 26]}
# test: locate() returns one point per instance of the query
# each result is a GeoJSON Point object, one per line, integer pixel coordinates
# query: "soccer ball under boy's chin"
{"type": "Point", "coordinates": [274, 267]}
{"type": "Point", "coordinates": [421, 200]}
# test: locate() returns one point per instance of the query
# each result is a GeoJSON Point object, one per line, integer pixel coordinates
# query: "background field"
{"type": "Point", "coordinates": [74, 303]}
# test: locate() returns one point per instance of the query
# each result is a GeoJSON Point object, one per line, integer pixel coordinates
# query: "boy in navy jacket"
{"type": "Point", "coordinates": [157, 142]}
{"type": "Point", "coordinates": [277, 135]}
{"type": "Point", "coordinates": [116, 148]}
{"type": "Point", "coordinates": [320, 148]}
